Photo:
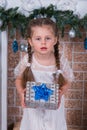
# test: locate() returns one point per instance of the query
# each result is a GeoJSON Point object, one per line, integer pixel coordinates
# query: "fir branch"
{"type": "Point", "coordinates": [63, 18]}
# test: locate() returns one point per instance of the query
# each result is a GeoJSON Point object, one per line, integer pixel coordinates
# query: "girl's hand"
{"type": "Point", "coordinates": [22, 96]}
{"type": "Point", "coordinates": [59, 98]}
{"type": "Point", "coordinates": [62, 91]}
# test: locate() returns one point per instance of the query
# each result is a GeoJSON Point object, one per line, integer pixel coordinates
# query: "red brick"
{"type": "Point", "coordinates": [74, 117]}
{"type": "Point", "coordinates": [80, 66]}
{"type": "Point", "coordinates": [77, 94]}
{"type": "Point", "coordinates": [76, 104]}
{"type": "Point", "coordinates": [82, 57]}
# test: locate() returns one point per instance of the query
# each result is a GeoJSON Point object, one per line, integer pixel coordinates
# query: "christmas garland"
{"type": "Point", "coordinates": [62, 18]}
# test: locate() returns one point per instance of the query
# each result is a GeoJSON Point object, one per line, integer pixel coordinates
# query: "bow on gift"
{"type": "Point", "coordinates": [42, 92]}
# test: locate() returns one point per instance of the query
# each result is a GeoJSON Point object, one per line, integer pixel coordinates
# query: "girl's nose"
{"type": "Point", "coordinates": [43, 41]}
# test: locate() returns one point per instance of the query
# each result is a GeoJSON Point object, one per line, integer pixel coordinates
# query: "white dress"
{"type": "Point", "coordinates": [42, 119]}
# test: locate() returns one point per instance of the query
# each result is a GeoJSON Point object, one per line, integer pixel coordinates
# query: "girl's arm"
{"type": "Point", "coordinates": [18, 83]}
{"type": "Point", "coordinates": [19, 69]}
{"type": "Point", "coordinates": [62, 91]}
{"type": "Point", "coordinates": [65, 87]}
{"type": "Point", "coordinates": [20, 90]}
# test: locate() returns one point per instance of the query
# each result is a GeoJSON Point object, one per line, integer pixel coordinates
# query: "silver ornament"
{"type": "Point", "coordinates": [26, 48]}
{"type": "Point", "coordinates": [22, 47]}
{"type": "Point", "coordinates": [1, 22]}
{"type": "Point", "coordinates": [72, 33]}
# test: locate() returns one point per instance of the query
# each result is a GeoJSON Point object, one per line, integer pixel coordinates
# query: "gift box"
{"type": "Point", "coordinates": [43, 95]}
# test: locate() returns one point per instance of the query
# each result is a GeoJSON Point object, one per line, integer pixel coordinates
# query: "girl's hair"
{"type": "Point", "coordinates": [27, 74]}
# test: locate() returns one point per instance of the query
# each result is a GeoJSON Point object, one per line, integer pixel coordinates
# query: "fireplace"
{"type": "Point", "coordinates": [3, 80]}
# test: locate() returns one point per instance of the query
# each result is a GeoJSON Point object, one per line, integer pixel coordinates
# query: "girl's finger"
{"type": "Point", "coordinates": [59, 98]}
{"type": "Point", "coordinates": [23, 98]}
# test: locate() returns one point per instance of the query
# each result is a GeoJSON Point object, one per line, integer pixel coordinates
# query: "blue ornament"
{"type": "Point", "coordinates": [85, 43]}
{"type": "Point", "coordinates": [42, 92]}
{"type": "Point", "coordinates": [15, 46]}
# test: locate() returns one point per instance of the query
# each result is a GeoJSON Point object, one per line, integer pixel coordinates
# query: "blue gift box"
{"type": "Point", "coordinates": [41, 95]}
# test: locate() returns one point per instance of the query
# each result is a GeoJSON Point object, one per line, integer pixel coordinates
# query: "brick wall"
{"type": "Point", "coordinates": [75, 98]}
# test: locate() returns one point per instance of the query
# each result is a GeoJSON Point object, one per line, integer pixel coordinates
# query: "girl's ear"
{"type": "Point", "coordinates": [55, 41]}
{"type": "Point", "coordinates": [29, 41]}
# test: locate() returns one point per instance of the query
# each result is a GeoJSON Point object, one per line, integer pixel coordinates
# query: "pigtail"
{"type": "Point", "coordinates": [29, 53]}
{"type": "Point", "coordinates": [56, 53]}
{"type": "Point", "coordinates": [27, 74]}
{"type": "Point", "coordinates": [60, 80]}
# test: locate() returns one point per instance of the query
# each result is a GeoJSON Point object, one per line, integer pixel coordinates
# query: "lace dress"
{"type": "Point", "coordinates": [42, 119]}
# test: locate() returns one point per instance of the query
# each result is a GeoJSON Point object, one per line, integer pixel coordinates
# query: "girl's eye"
{"type": "Point", "coordinates": [48, 38]}
{"type": "Point", "coordinates": [38, 38]}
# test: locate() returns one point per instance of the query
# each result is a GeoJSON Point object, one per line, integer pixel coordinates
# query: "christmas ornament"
{"type": "Point", "coordinates": [26, 48]}
{"type": "Point", "coordinates": [22, 47]}
{"type": "Point", "coordinates": [72, 33]}
{"type": "Point", "coordinates": [1, 22]}
{"type": "Point", "coordinates": [15, 46]}
{"type": "Point", "coordinates": [85, 43]}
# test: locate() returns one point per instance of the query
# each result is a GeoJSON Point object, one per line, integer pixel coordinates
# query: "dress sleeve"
{"type": "Point", "coordinates": [66, 69]}
{"type": "Point", "coordinates": [21, 66]}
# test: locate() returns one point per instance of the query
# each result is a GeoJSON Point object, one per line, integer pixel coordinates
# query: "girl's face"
{"type": "Point", "coordinates": [42, 39]}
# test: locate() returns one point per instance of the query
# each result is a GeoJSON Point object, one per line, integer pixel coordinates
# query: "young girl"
{"type": "Point", "coordinates": [43, 64]}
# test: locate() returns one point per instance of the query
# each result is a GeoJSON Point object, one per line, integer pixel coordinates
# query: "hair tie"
{"type": "Point", "coordinates": [28, 64]}
{"type": "Point", "coordinates": [59, 71]}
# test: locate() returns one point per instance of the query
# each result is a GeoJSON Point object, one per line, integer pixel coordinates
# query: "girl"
{"type": "Point", "coordinates": [43, 64]}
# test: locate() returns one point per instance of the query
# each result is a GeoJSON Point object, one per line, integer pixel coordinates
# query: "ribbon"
{"type": "Point", "coordinates": [15, 46]}
{"type": "Point", "coordinates": [85, 43]}
{"type": "Point", "coordinates": [42, 92]}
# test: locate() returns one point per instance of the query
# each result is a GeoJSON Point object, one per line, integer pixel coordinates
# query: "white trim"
{"type": "Point", "coordinates": [3, 104]}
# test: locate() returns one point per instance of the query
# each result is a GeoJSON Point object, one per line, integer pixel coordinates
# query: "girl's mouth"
{"type": "Point", "coordinates": [43, 48]}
